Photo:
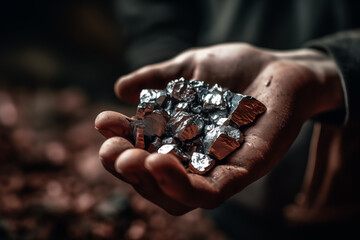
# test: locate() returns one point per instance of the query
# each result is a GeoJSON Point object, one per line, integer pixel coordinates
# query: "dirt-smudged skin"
{"type": "Point", "coordinates": [197, 124]}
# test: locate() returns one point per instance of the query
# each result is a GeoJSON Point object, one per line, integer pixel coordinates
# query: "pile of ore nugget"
{"type": "Point", "coordinates": [198, 124]}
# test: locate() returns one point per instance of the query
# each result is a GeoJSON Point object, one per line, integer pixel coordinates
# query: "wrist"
{"type": "Point", "coordinates": [323, 90]}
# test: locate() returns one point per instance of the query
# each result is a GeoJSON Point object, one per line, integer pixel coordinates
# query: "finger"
{"type": "Point", "coordinates": [246, 165]}
{"type": "Point", "coordinates": [189, 189]}
{"type": "Point", "coordinates": [110, 150]}
{"type": "Point", "coordinates": [130, 165]}
{"type": "Point", "coordinates": [154, 76]}
{"type": "Point", "coordinates": [111, 124]}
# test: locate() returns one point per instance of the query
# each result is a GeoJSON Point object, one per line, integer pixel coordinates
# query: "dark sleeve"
{"type": "Point", "coordinates": [156, 30]}
{"type": "Point", "coordinates": [344, 48]}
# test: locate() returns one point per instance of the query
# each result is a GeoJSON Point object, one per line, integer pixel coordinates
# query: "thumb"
{"type": "Point", "coordinates": [154, 76]}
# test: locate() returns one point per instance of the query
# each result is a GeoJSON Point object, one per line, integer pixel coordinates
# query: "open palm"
{"type": "Point", "coordinates": [282, 81]}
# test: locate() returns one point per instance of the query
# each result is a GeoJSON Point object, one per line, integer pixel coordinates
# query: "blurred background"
{"type": "Point", "coordinates": [58, 63]}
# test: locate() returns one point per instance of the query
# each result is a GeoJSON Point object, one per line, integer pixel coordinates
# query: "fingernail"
{"type": "Point", "coordinates": [106, 133]}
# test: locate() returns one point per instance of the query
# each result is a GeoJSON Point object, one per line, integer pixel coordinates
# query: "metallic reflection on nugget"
{"type": "Point", "coordinates": [197, 124]}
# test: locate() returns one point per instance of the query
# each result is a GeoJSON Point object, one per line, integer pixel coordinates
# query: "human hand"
{"type": "Point", "coordinates": [294, 86]}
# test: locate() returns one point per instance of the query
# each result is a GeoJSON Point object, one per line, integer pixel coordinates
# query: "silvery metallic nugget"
{"type": "Point", "coordinates": [214, 99]}
{"type": "Point", "coordinates": [185, 125]}
{"type": "Point", "coordinates": [152, 96]}
{"type": "Point", "coordinates": [174, 150]}
{"type": "Point", "coordinates": [200, 87]}
{"type": "Point", "coordinates": [168, 140]}
{"type": "Point", "coordinates": [200, 163]}
{"type": "Point", "coordinates": [182, 106]}
{"type": "Point", "coordinates": [181, 90]}
{"type": "Point", "coordinates": [221, 141]}
{"type": "Point", "coordinates": [143, 109]}
{"type": "Point", "coordinates": [215, 116]}
{"type": "Point", "coordinates": [190, 119]}
{"type": "Point", "coordinates": [196, 108]}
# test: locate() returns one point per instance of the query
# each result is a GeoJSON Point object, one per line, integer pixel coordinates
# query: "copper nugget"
{"type": "Point", "coordinates": [244, 109]}
{"type": "Point", "coordinates": [154, 145]}
{"type": "Point", "coordinates": [139, 136]}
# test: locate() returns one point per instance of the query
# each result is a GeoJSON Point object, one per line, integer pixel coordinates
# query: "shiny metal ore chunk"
{"type": "Point", "coordinates": [163, 113]}
{"type": "Point", "coordinates": [223, 121]}
{"type": "Point", "coordinates": [139, 136]}
{"type": "Point", "coordinates": [143, 109]}
{"type": "Point", "coordinates": [190, 119]}
{"type": "Point", "coordinates": [155, 145]}
{"type": "Point", "coordinates": [181, 106]}
{"type": "Point", "coordinates": [173, 149]}
{"type": "Point", "coordinates": [221, 141]}
{"type": "Point", "coordinates": [181, 90]}
{"type": "Point", "coordinates": [152, 96]}
{"type": "Point", "coordinates": [214, 98]}
{"type": "Point", "coordinates": [215, 116]}
{"type": "Point", "coordinates": [168, 140]}
{"type": "Point", "coordinates": [154, 124]}
{"type": "Point", "coordinates": [185, 125]}
{"type": "Point", "coordinates": [196, 109]}
{"type": "Point", "coordinates": [200, 87]}
{"type": "Point", "coordinates": [200, 163]}
{"type": "Point", "coordinates": [244, 109]}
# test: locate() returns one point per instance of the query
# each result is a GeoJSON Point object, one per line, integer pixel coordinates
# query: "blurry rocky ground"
{"type": "Point", "coordinates": [52, 185]}
{"type": "Point", "coordinates": [58, 64]}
